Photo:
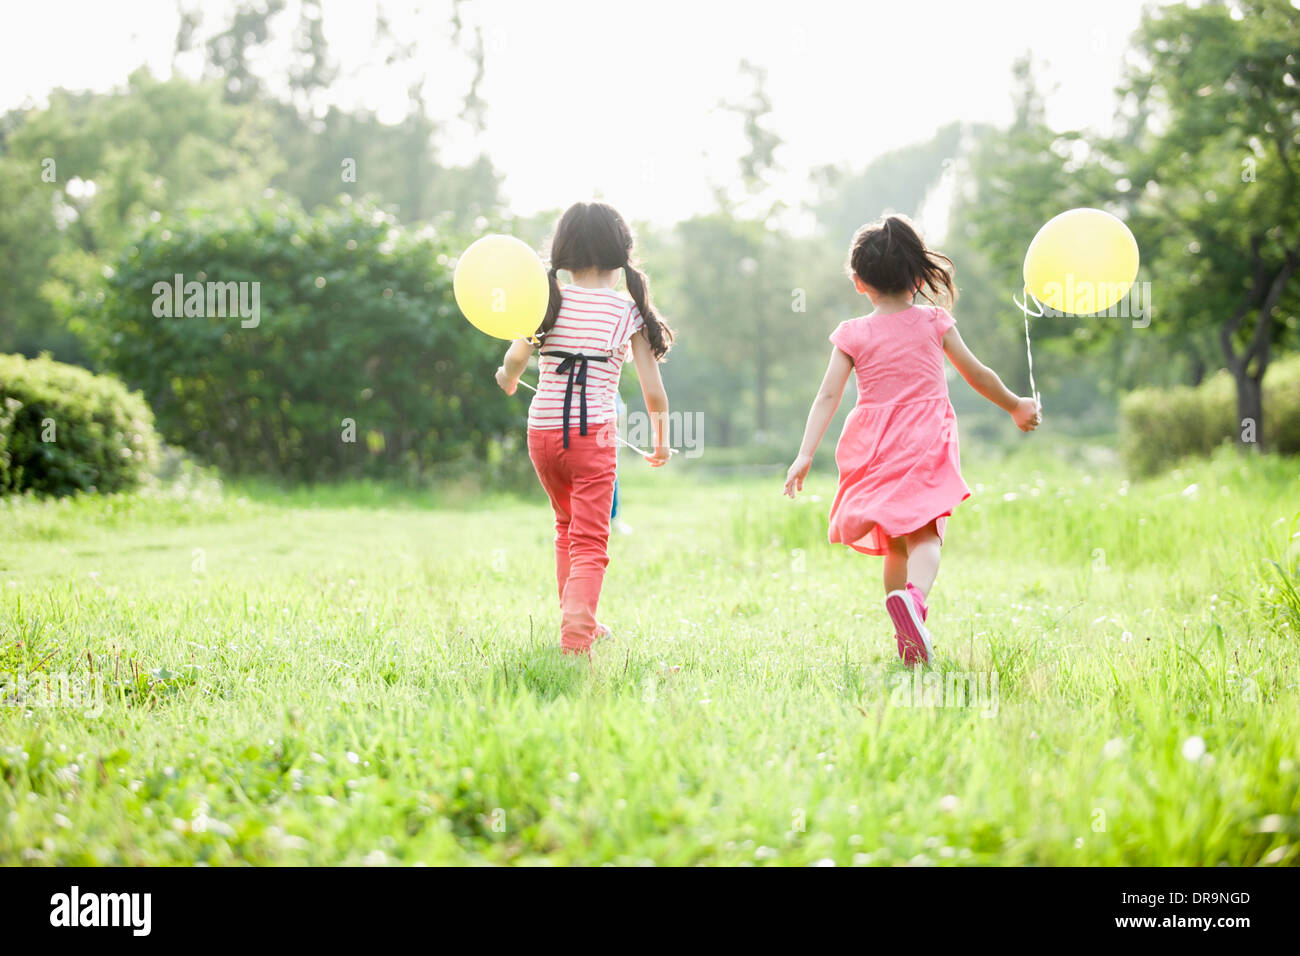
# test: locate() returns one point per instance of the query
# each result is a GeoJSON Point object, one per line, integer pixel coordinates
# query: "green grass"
{"type": "Point", "coordinates": [335, 676]}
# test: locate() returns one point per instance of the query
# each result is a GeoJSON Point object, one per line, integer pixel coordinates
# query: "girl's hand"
{"type": "Point", "coordinates": [1028, 414]}
{"type": "Point", "coordinates": [508, 384]}
{"type": "Point", "coordinates": [660, 457]}
{"type": "Point", "coordinates": [797, 473]}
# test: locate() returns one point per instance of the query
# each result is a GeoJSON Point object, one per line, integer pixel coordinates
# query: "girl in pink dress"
{"type": "Point", "coordinates": [900, 473]}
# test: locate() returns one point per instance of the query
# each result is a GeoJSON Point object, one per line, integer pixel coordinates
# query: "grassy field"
{"type": "Point", "coordinates": [359, 675]}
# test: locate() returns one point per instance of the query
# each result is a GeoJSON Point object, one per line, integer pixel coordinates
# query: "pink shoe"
{"type": "Point", "coordinates": [908, 612]}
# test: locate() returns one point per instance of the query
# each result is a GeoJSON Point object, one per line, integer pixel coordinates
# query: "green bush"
{"type": "Point", "coordinates": [1282, 405]}
{"type": "Point", "coordinates": [1162, 426]}
{"type": "Point", "coordinates": [357, 323]}
{"type": "Point", "coordinates": [64, 429]}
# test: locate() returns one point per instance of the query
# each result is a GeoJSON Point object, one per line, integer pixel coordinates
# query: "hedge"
{"type": "Point", "coordinates": [64, 429]}
{"type": "Point", "coordinates": [358, 362]}
{"type": "Point", "coordinates": [1162, 426]}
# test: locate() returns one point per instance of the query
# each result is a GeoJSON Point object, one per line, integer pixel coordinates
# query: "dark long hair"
{"type": "Point", "coordinates": [592, 235]}
{"type": "Point", "coordinates": [890, 255]}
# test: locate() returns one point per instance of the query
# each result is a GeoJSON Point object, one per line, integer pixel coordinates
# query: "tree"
{"type": "Point", "coordinates": [1214, 149]}
{"type": "Point", "coordinates": [758, 161]}
{"type": "Point", "coordinates": [91, 169]}
{"type": "Point", "coordinates": [118, 160]}
{"type": "Point", "coordinates": [230, 52]}
{"type": "Point", "coordinates": [331, 151]}
{"type": "Point", "coordinates": [1022, 176]}
{"type": "Point", "coordinates": [28, 240]}
{"type": "Point", "coordinates": [730, 265]}
{"type": "Point", "coordinates": [306, 347]}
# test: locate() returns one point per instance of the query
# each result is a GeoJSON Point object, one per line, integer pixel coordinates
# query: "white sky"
{"type": "Point", "coordinates": [620, 98]}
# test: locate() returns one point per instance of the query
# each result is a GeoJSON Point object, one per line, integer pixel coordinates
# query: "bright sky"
{"type": "Point", "coordinates": [620, 99]}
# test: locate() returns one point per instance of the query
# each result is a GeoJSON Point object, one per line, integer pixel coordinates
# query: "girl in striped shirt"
{"type": "Point", "coordinates": [585, 337]}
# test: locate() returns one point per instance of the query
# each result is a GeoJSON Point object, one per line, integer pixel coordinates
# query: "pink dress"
{"type": "Point", "coordinates": [899, 464]}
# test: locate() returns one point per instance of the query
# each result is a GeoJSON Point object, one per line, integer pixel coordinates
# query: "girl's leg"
{"type": "Point", "coordinates": [591, 462]}
{"type": "Point", "coordinates": [544, 449]}
{"type": "Point", "coordinates": [903, 608]}
{"type": "Point", "coordinates": [896, 565]}
{"type": "Point", "coordinates": [923, 548]}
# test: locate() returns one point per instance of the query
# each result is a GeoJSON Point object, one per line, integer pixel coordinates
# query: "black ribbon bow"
{"type": "Point", "coordinates": [575, 364]}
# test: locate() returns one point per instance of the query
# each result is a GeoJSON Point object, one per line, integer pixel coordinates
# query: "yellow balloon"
{"type": "Point", "coordinates": [1081, 262]}
{"type": "Point", "coordinates": [501, 287]}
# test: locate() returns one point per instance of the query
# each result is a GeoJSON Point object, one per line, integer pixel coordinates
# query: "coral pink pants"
{"type": "Point", "coordinates": [580, 483]}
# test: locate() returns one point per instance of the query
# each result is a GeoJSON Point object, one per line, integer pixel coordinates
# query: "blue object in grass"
{"type": "Point", "coordinates": [620, 409]}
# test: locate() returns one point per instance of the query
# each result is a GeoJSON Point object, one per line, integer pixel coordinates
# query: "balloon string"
{"type": "Point", "coordinates": [617, 437]}
{"type": "Point", "coordinates": [1029, 352]}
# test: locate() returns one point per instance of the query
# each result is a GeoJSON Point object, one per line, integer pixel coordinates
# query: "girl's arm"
{"type": "Point", "coordinates": [1024, 411]}
{"type": "Point", "coordinates": [819, 416]}
{"type": "Point", "coordinates": [513, 365]}
{"type": "Point", "coordinates": [656, 397]}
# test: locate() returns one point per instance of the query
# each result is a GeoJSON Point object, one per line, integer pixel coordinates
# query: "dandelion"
{"type": "Point", "coordinates": [1194, 748]}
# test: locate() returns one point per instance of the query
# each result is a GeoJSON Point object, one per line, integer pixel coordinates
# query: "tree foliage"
{"type": "Point", "coordinates": [89, 170]}
{"type": "Point", "coordinates": [1214, 154]}
{"type": "Point", "coordinates": [358, 337]}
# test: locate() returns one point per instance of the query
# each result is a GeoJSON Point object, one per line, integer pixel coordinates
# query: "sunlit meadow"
{"type": "Point", "coordinates": [367, 675]}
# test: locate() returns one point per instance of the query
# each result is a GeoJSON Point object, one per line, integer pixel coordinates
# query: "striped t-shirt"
{"type": "Point", "coordinates": [593, 322]}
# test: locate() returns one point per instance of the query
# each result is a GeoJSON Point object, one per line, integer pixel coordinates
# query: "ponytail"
{"type": "Point", "coordinates": [890, 255]}
{"type": "Point", "coordinates": [657, 331]}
